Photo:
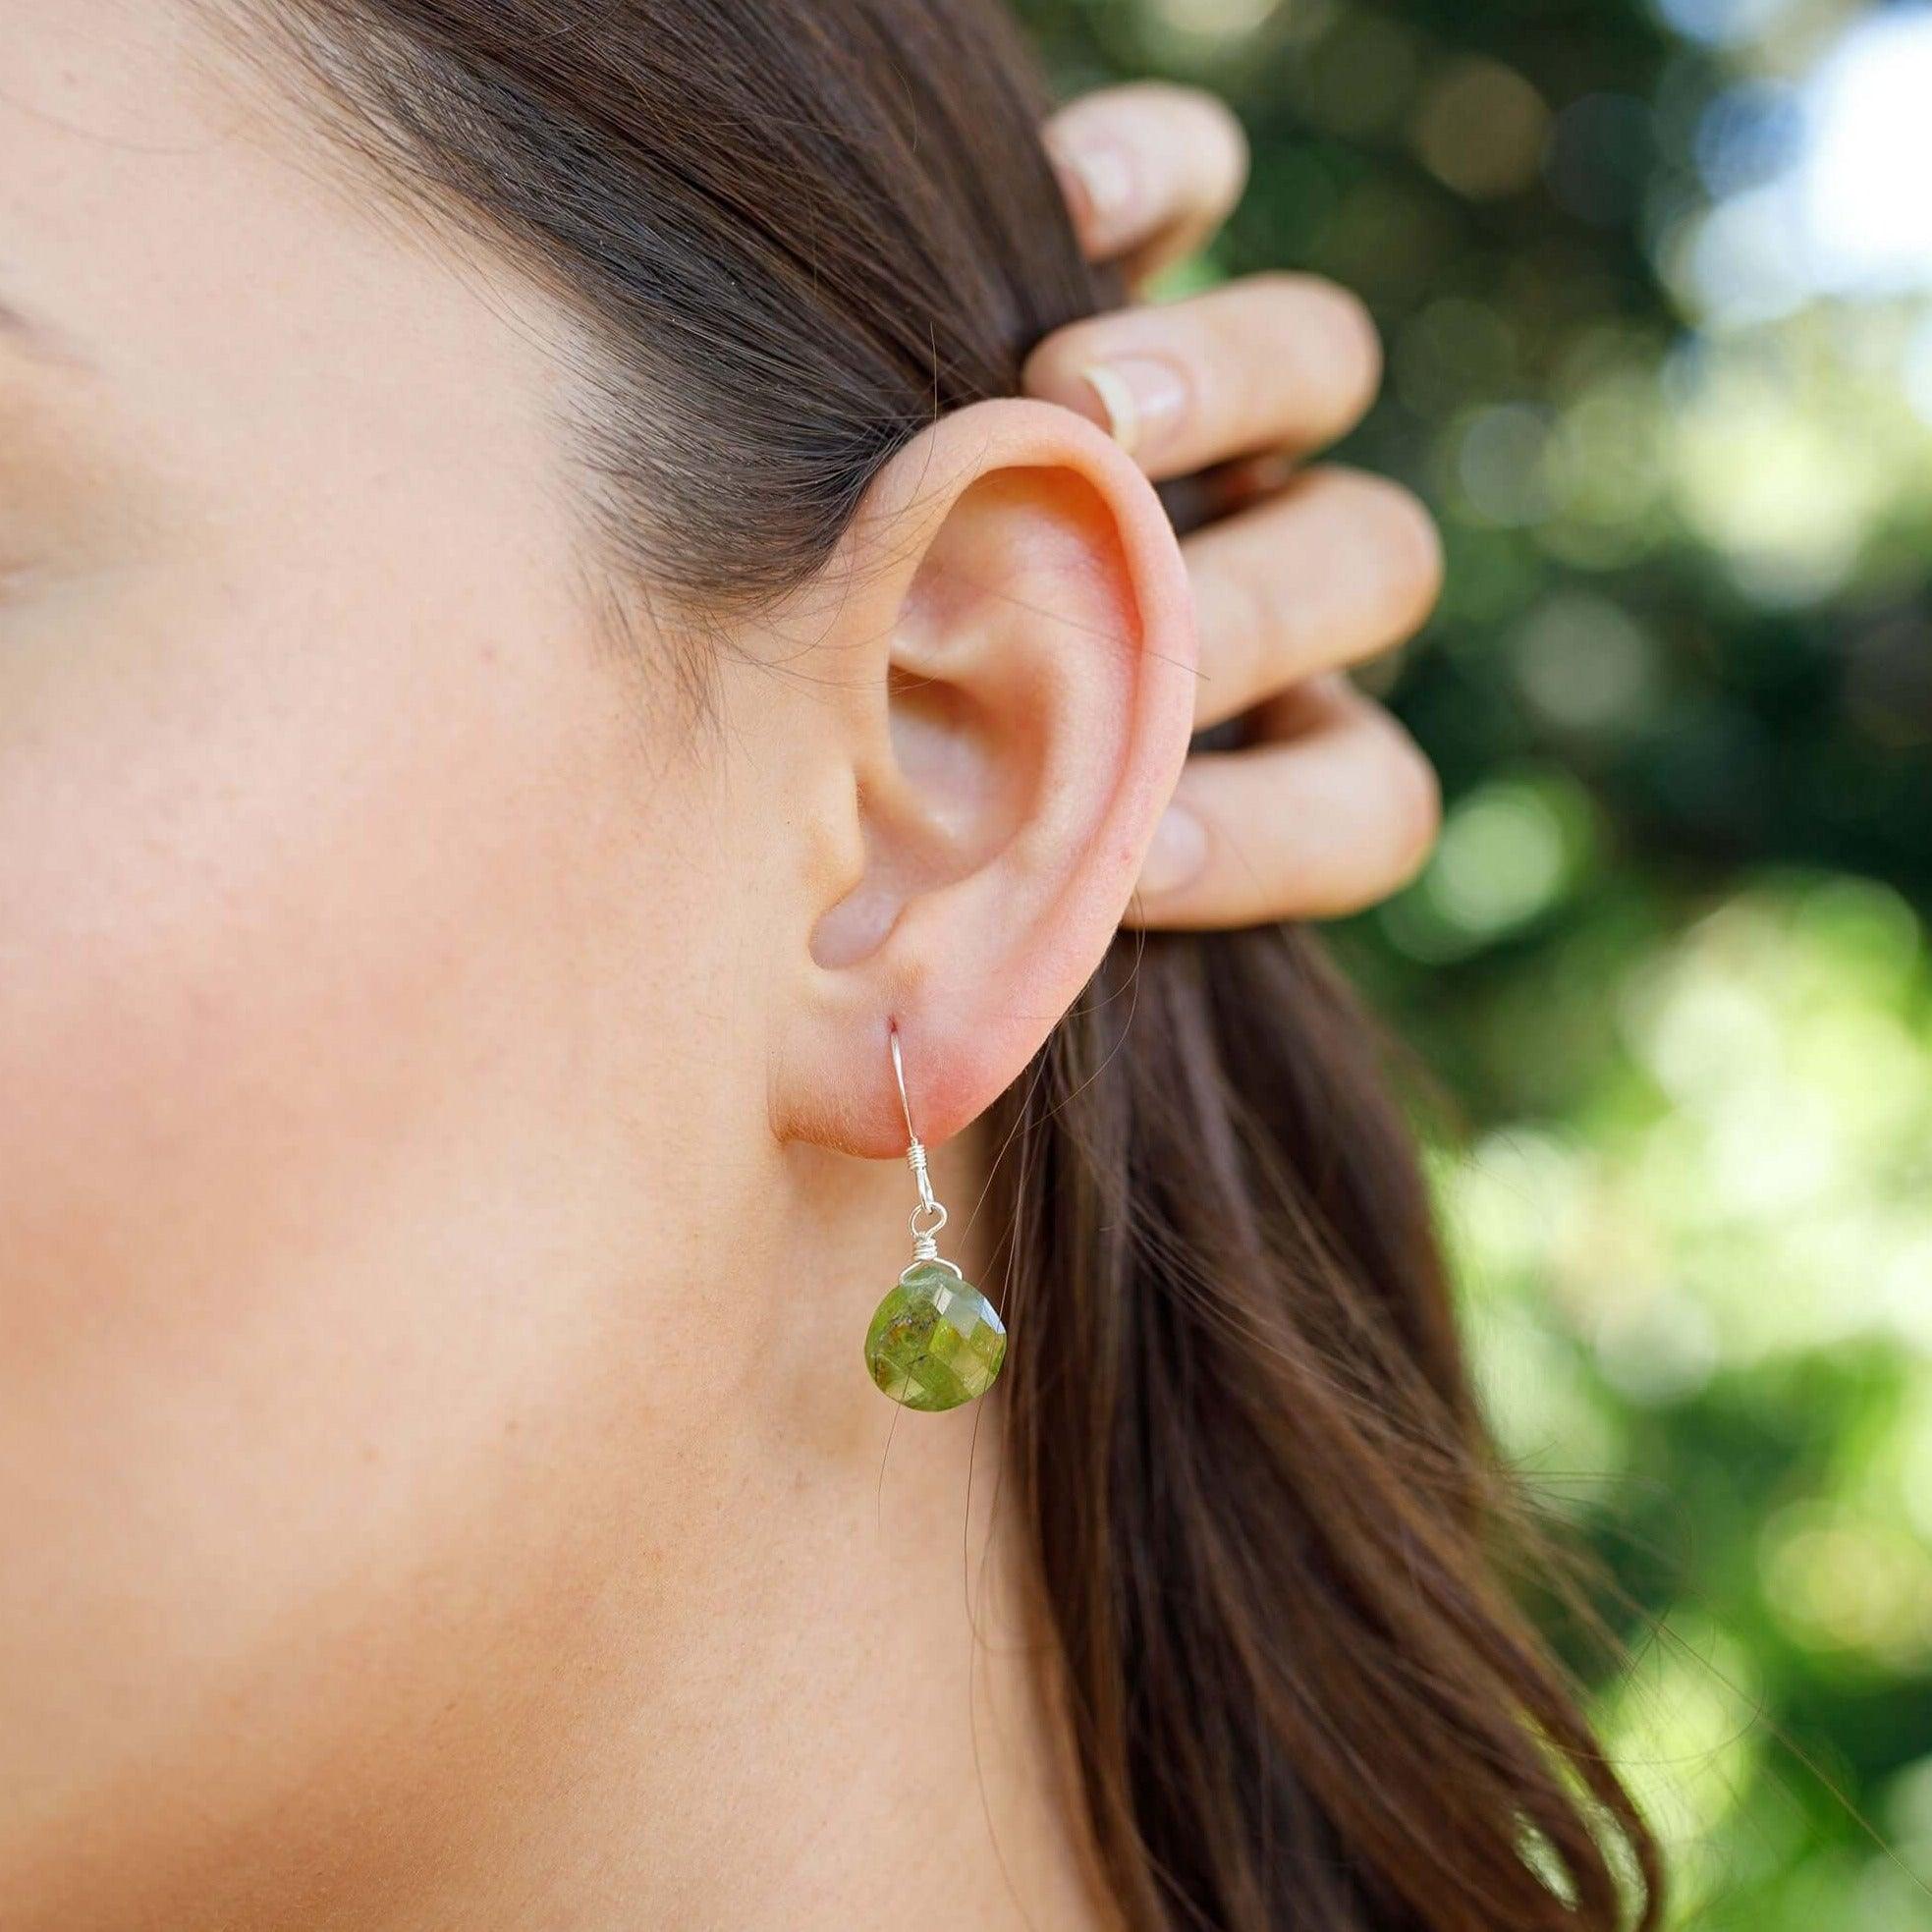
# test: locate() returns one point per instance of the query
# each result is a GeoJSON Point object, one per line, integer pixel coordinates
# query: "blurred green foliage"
{"type": "Point", "coordinates": [1670, 959]}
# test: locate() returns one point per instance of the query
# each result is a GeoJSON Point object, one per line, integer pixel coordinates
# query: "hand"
{"type": "Point", "coordinates": [1329, 806]}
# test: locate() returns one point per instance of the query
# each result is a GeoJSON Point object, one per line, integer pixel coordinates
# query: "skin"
{"type": "Point", "coordinates": [451, 1148]}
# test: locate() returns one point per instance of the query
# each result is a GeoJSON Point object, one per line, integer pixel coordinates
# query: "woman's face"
{"type": "Point", "coordinates": [362, 967]}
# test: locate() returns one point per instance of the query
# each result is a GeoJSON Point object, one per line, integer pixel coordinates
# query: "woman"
{"type": "Point", "coordinates": [559, 707]}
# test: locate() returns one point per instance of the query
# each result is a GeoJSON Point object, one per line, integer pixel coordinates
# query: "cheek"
{"type": "Point", "coordinates": [255, 890]}
{"type": "Point", "coordinates": [305, 997]}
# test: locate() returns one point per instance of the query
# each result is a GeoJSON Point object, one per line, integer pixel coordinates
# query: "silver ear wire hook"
{"type": "Point", "coordinates": [929, 1216]}
{"type": "Point", "coordinates": [898, 1074]}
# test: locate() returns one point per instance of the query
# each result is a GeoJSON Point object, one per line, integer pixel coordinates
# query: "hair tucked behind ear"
{"type": "Point", "coordinates": [1262, 1506]}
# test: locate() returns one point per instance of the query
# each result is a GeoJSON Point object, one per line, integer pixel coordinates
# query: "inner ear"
{"type": "Point", "coordinates": [946, 743]}
{"type": "Point", "coordinates": [1023, 568]}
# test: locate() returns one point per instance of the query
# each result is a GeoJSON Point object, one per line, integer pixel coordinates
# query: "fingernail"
{"type": "Point", "coordinates": [1177, 855]}
{"type": "Point", "coordinates": [1106, 177]}
{"type": "Point", "coordinates": [1143, 399]}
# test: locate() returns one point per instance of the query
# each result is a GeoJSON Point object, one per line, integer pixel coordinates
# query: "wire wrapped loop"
{"type": "Point", "coordinates": [927, 1219]}
{"type": "Point", "coordinates": [915, 1159]}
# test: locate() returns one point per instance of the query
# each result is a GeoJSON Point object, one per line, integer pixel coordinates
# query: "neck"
{"type": "Point", "coordinates": [867, 1739]}
{"type": "Point", "coordinates": [853, 1726]}
{"type": "Point", "coordinates": [773, 1665]}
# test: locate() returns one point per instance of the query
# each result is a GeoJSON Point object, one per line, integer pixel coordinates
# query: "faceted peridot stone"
{"type": "Point", "coordinates": [936, 1341]}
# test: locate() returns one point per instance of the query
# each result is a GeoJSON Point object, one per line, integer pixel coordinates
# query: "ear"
{"type": "Point", "coordinates": [1015, 690]}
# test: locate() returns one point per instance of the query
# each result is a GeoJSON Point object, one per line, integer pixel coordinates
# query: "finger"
{"type": "Point", "coordinates": [1151, 170]}
{"type": "Point", "coordinates": [1329, 816]}
{"type": "Point", "coordinates": [1337, 567]}
{"type": "Point", "coordinates": [1274, 362]}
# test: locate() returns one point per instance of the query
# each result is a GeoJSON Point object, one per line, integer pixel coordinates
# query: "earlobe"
{"type": "Point", "coordinates": [1019, 658]}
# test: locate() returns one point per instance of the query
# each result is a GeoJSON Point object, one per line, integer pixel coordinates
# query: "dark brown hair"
{"type": "Point", "coordinates": [1263, 1508]}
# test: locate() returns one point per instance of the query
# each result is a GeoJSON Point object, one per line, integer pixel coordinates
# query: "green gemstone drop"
{"type": "Point", "coordinates": [935, 1342]}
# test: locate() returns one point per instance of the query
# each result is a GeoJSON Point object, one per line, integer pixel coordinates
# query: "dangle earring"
{"type": "Point", "coordinates": [935, 1342]}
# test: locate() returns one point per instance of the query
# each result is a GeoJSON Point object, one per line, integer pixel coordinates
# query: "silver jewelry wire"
{"type": "Point", "coordinates": [926, 1246]}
